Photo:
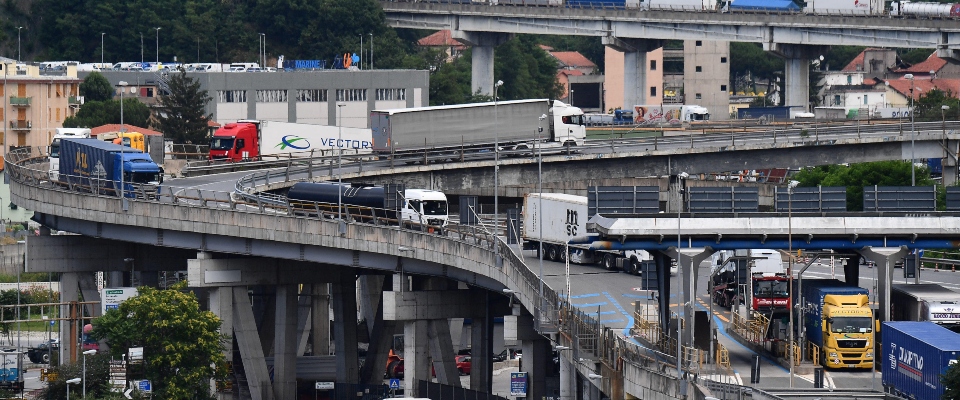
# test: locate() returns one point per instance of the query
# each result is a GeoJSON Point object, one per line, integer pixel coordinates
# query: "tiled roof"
{"type": "Point", "coordinates": [572, 59]}
{"type": "Point", "coordinates": [116, 128]}
{"type": "Point", "coordinates": [856, 65]}
{"type": "Point", "coordinates": [440, 39]}
{"type": "Point", "coordinates": [932, 63]}
{"type": "Point", "coordinates": [922, 86]}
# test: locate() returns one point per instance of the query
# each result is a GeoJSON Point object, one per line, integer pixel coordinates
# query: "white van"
{"type": "Point", "coordinates": [127, 66]}
{"type": "Point", "coordinates": [427, 208]}
{"type": "Point", "coordinates": [204, 67]}
{"type": "Point", "coordinates": [243, 67]}
{"type": "Point", "coordinates": [54, 150]}
{"type": "Point", "coordinates": [86, 67]}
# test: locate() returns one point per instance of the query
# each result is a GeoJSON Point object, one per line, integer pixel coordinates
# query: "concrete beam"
{"type": "Point", "coordinates": [304, 301]}
{"type": "Point", "coordinates": [381, 333]}
{"type": "Point", "coordinates": [441, 349]}
{"type": "Point", "coordinates": [88, 254]}
{"type": "Point", "coordinates": [248, 341]}
{"type": "Point", "coordinates": [519, 327]}
{"type": "Point", "coordinates": [688, 261]}
{"type": "Point", "coordinates": [410, 306]}
{"type": "Point", "coordinates": [797, 70]}
{"type": "Point", "coordinates": [481, 343]}
{"type": "Point", "coordinates": [536, 357]}
{"type": "Point", "coordinates": [256, 271]}
{"type": "Point", "coordinates": [415, 354]}
{"type": "Point", "coordinates": [320, 319]}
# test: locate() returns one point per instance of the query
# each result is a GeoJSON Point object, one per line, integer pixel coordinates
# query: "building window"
{"type": "Point", "coordinates": [849, 80]}
{"type": "Point", "coordinates": [272, 96]}
{"type": "Point", "coordinates": [58, 115]}
{"type": "Point", "coordinates": [653, 65]}
{"type": "Point", "coordinates": [653, 91]}
{"type": "Point", "coordinates": [699, 96]}
{"type": "Point", "coordinates": [391, 94]}
{"type": "Point", "coordinates": [232, 96]}
{"type": "Point", "coordinates": [351, 94]}
{"type": "Point", "coordinates": [311, 95]}
{"type": "Point", "coordinates": [699, 43]}
{"type": "Point", "coordinates": [1, 115]}
{"type": "Point", "coordinates": [2, 89]}
{"type": "Point", "coordinates": [865, 102]}
{"type": "Point", "coordinates": [836, 100]}
{"type": "Point", "coordinates": [723, 88]}
{"type": "Point", "coordinates": [723, 60]}
{"type": "Point", "coordinates": [699, 69]}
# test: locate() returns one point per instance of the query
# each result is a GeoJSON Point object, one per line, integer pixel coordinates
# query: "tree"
{"type": "Point", "coordinates": [951, 383]}
{"type": "Point", "coordinates": [856, 176]}
{"type": "Point", "coordinates": [96, 88]}
{"type": "Point", "coordinates": [928, 106]}
{"type": "Point", "coordinates": [180, 115]}
{"type": "Point", "coordinates": [97, 376]}
{"type": "Point", "coordinates": [97, 113]}
{"type": "Point", "coordinates": [181, 343]}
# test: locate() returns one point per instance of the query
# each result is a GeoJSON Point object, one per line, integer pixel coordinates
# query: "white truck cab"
{"type": "Point", "coordinates": [54, 149]}
{"type": "Point", "coordinates": [427, 208]}
{"type": "Point", "coordinates": [569, 124]}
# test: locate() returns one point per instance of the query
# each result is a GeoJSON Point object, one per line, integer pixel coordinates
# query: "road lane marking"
{"type": "Point", "coordinates": [583, 296]}
{"type": "Point", "coordinates": [590, 304]}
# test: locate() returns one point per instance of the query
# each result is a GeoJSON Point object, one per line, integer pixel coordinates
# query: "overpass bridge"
{"type": "Point", "coordinates": [798, 38]}
{"type": "Point", "coordinates": [228, 244]}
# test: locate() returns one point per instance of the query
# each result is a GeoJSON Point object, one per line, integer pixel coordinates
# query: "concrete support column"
{"type": "Point", "coordinates": [381, 332]}
{"type": "Point", "coordinates": [220, 303]}
{"type": "Point", "coordinates": [663, 287]}
{"type": "Point", "coordinates": [441, 349]}
{"type": "Point", "coordinates": [69, 292]}
{"type": "Point", "coordinates": [320, 319]}
{"type": "Point", "coordinates": [796, 71]}
{"type": "Point", "coordinates": [688, 261]}
{"type": "Point", "coordinates": [885, 257]}
{"type": "Point", "coordinates": [950, 162]}
{"type": "Point", "coordinates": [251, 352]}
{"type": "Point", "coordinates": [285, 345]}
{"type": "Point", "coordinates": [481, 339]}
{"type": "Point", "coordinates": [536, 358]}
{"type": "Point", "coordinates": [851, 270]}
{"type": "Point", "coordinates": [415, 355]}
{"type": "Point", "coordinates": [345, 327]}
{"type": "Point", "coordinates": [634, 66]}
{"type": "Point", "coordinates": [568, 378]}
{"type": "Point", "coordinates": [482, 44]}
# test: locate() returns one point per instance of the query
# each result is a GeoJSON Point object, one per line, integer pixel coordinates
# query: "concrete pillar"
{"type": "Point", "coordinates": [568, 378]}
{"type": "Point", "coordinates": [320, 319]}
{"type": "Point", "coordinates": [304, 318]}
{"type": "Point", "coordinates": [345, 327]}
{"type": "Point", "coordinates": [415, 355]}
{"type": "Point", "coordinates": [482, 44]}
{"type": "Point", "coordinates": [285, 345]}
{"type": "Point", "coordinates": [114, 278]}
{"type": "Point", "coordinates": [251, 352]}
{"type": "Point", "coordinates": [885, 257]}
{"type": "Point", "coordinates": [950, 162]}
{"type": "Point", "coordinates": [851, 270]}
{"type": "Point", "coordinates": [381, 335]}
{"type": "Point", "coordinates": [634, 66]}
{"type": "Point", "coordinates": [536, 359]}
{"type": "Point", "coordinates": [481, 339]}
{"type": "Point", "coordinates": [220, 303]}
{"type": "Point", "coordinates": [663, 287]}
{"type": "Point", "coordinates": [69, 292]}
{"type": "Point", "coordinates": [370, 289]}
{"type": "Point", "coordinates": [796, 71]}
{"type": "Point", "coordinates": [689, 260]}
{"type": "Point", "coordinates": [441, 349]}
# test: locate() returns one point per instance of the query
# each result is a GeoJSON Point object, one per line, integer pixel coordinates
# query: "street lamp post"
{"type": "Point", "coordinates": [18, 42]}
{"type": "Point", "coordinates": [340, 161]}
{"type": "Point", "coordinates": [158, 45]}
{"type": "Point", "coordinates": [680, 177]}
{"type": "Point", "coordinates": [540, 191]}
{"type": "Point", "coordinates": [943, 120]}
{"type": "Point", "coordinates": [913, 135]}
{"type": "Point", "coordinates": [790, 187]}
{"type": "Point", "coordinates": [101, 48]}
{"type": "Point", "coordinates": [361, 52]}
{"type": "Point", "coordinates": [123, 199]}
{"type": "Point", "coordinates": [85, 354]}
{"type": "Point", "coordinates": [69, 382]}
{"type": "Point", "coordinates": [496, 171]}
{"type": "Point", "coordinates": [371, 51]}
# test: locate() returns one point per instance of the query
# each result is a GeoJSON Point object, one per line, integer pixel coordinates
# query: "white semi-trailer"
{"type": "Point", "coordinates": [513, 124]}
{"type": "Point", "coordinates": [564, 217]}
{"type": "Point", "coordinates": [926, 302]}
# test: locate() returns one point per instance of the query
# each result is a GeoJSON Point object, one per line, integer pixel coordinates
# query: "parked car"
{"type": "Point", "coordinates": [463, 365]}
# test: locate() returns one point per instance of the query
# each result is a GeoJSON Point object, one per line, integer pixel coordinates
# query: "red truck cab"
{"type": "Point", "coordinates": [770, 292]}
{"type": "Point", "coordinates": [236, 141]}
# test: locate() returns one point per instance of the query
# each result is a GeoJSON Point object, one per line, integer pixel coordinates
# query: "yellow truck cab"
{"type": "Point", "coordinates": [838, 319]}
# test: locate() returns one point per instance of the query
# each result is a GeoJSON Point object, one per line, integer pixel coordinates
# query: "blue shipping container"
{"type": "Point", "coordinates": [935, 165]}
{"type": "Point", "coordinates": [764, 5]}
{"type": "Point", "coordinates": [915, 354]}
{"type": "Point", "coordinates": [814, 290]}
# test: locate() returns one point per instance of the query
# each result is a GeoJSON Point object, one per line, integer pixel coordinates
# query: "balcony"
{"type": "Point", "coordinates": [21, 125]}
{"type": "Point", "coordinates": [75, 101]}
{"type": "Point", "coordinates": [20, 101]}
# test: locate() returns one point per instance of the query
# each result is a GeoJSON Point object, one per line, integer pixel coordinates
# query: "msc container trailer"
{"type": "Point", "coordinates": [915, 355]}
{"type": "Point", "coordinates": [514, 124]}
{"type": "Point", "coordinates": [564, 217]}
{"type": "Point", "coordinates": [97, 165]}
{"type": "Point", "coordinates": [925, 302]}
{"type": "Point", "coordinates": [838, 319]}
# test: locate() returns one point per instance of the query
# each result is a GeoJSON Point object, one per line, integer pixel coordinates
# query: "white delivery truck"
{"type": "Point", "coordinates": [673, 114]}
{"type": "Point", "coordinates": [54, 150]}
{"type": "Point", "coordinates": [925, 302]}
{"type": "Point", "coordinates": [564, 217]}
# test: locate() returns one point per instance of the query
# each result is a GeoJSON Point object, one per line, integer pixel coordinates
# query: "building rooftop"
{"type": "Point", "coordinates": [572, 59]}
{"type": "Point", "coordinates": [922, 86]}
{"type": "Point", "coordinates": [932, 63]}
{"type": "Point", "coordinates": [440, 39]}
{"type": "Point", "coordinates": [116, 128]}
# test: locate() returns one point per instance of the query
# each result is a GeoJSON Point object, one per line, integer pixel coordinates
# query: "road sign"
{"type": "Point", "coordinates": [127, 393]}
{"type": "Point", "coordinates": [394, 384]}
{"type": "Point", "coordinates": [112, 297]}
{"type": "Point", "coordinates": [135, 354]}
{"type": "Point", "coordinates": [118, 375]}
{"type": "Point", "coordinates": [518, 384]}
{"type": "Point", "coordinates": [144, 386]}
{"type": "Point", "coordinates": [324, 385]}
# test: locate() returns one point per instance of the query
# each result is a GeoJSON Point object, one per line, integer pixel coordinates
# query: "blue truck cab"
{"type": "Point", "coordinates": [96, 165]}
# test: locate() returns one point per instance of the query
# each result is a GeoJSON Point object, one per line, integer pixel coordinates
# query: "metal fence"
{"type": "Point", "coordinates": [439, 391]}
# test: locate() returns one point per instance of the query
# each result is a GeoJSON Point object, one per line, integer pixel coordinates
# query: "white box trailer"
{"type": "Point", "coordinates": [678, 5]}
{"type": "Point", "coordinates": [844, 7]}
{"type": "Point", "coordinates": [556, 218]}
{"type": "Point", "coordinates": [286, 137]}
